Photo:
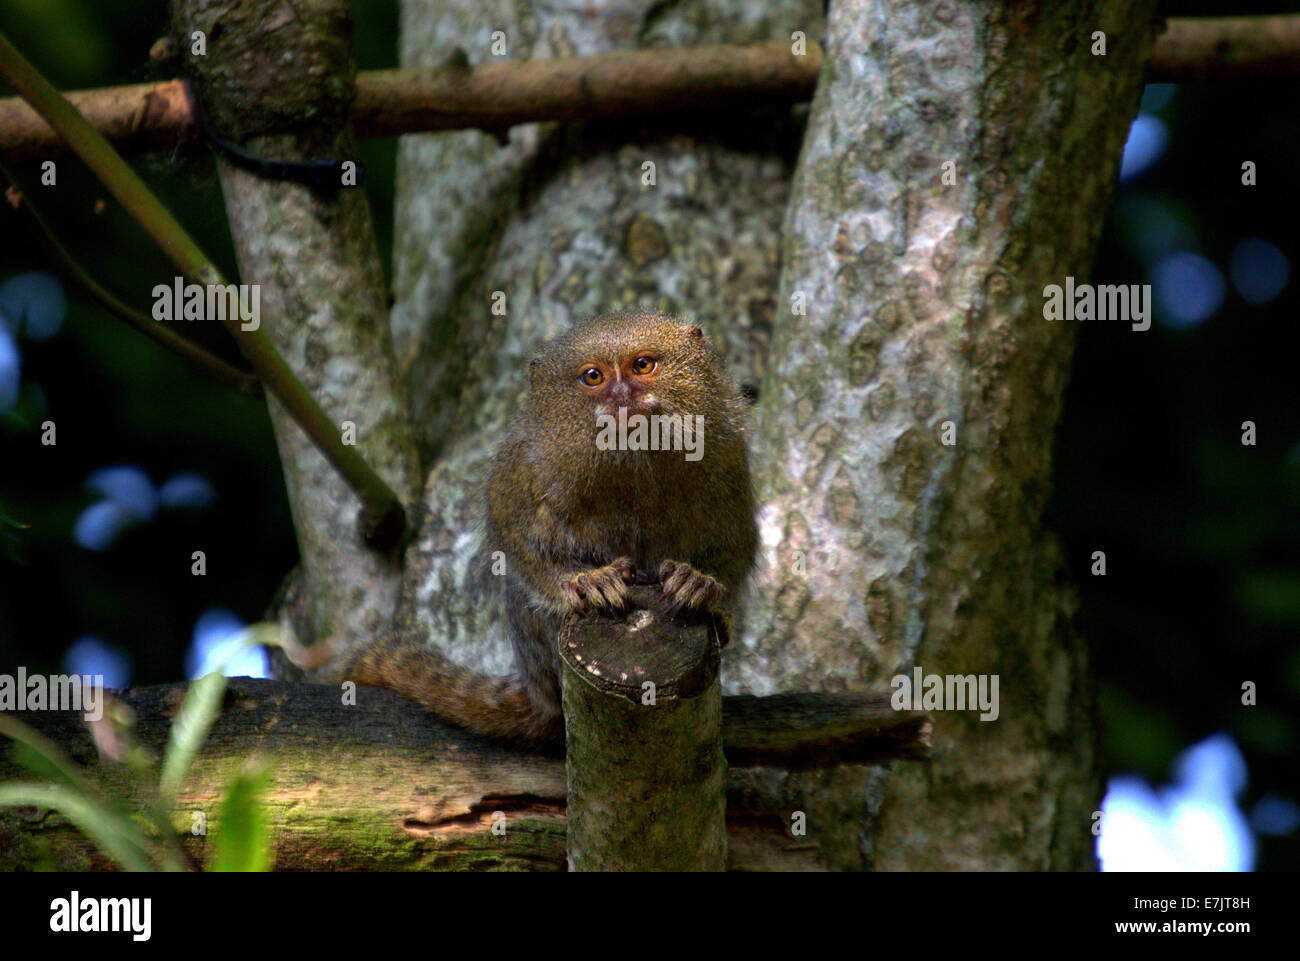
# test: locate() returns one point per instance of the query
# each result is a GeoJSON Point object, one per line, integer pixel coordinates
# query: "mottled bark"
{"type": "Point", "coordinates": [921, 308]}
{"type": "Point", "coordinates": [561, 223]}
{"type": "Point", "coordinates": [884, 548]}
{"type": "Point", "coordinates": [923, 305]}
{"type": "Point", "coordinates": [322, 293]}
{"type": "Point", "coordinates": [887, 548]}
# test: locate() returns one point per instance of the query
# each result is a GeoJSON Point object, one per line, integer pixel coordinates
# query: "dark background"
{"type": "Point", "coordinates": [1201, 534]}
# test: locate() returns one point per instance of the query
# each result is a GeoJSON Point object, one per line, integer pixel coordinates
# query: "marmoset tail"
{"type": "Point", "coordinates": [629, 458]}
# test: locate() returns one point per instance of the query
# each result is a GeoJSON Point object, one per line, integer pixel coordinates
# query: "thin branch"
{"type": "Point", "coordinates": [496, 96]}
{"type": "Point", "coordinates": [1227, 48]}
{"type": "Point", "coordinates": [140, 118]}
{"type": "Point", "coordinates": [383, 518]}
{"type": "Point", "coordinates": [136, 319]}
{"type": "Point", "coordinates": [803, 731]}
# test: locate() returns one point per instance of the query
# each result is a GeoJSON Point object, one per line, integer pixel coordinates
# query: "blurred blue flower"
{"type": "Point", "coordinates": [128, 487]}
{"type": "Point", "coordinates": [1191, 825]}
{"type": "Point", "coordinates": [1259, 270]}
{"type": "Point", "coordinates": [186, 490]}
{"type": "Point", "coordinates": [1275, 814]}
{"type": "Point", "coordinates": [218, 634]}
{"type": "Point", "coordinates": [36, 296]}
{"type": "Point", "coordinates": [89, 654]}
{"type": "Point", "coordinates": [10, 370]}
{"type": "Point", "coordinates": [1213, 767]}
{"type": "Point", "coordinates": [1188, 289]}
{"type": "Point", "coordinates": [98, 525]}
{"type": "Point", "coordinates": [130, 498]}
{"type": "Point", "coordinates": [1147, 138]}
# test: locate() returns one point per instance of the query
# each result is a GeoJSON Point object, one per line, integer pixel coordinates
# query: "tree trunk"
{"type": "Point", "coordinates": [890, 549]}
{"type": "Point", "coordinates": [561, 223]}
{"type": "Point", "coordinates": [314, 258]}
{"type": "Point", "coordinates": [872, 301]}
{"type": "Point", "coordinates": [885, 549]}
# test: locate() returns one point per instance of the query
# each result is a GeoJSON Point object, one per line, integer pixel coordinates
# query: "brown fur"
{"type": "Point", "coordinates": [575, 522]}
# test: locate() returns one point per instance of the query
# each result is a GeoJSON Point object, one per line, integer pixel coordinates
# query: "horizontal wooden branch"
{"type": "Point", "coordinates": [802, 731]}
{"type": "Point", "coordinates": [380, 785]}
{"type": "Point", "coordinates": [1223, 48]}
{"type": "Point", "coordinates": [143, 118]}
{"type": "Point", "coordinates": [374, 786]}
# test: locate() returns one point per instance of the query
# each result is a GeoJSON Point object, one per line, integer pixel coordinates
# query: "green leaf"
{"type": "Point", "coordinates": [38, 754]}
{"type": "Point", "coordinates": [115, 835]}
{"type": "Point", "coordinates": [242, 838]}
{"type": "Point", "coordinates": [201, 707]}
{"type": "Point", "coordinates": [34, 762]}
{"type": "Point", "coordinates": [8, 521]}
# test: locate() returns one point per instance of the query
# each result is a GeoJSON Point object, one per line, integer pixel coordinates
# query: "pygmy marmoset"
{"type": "Point", "coordinates": [576, 520]}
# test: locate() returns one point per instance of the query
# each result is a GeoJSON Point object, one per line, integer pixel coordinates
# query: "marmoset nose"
{"type": "Point", "coordinates": [622, 393]}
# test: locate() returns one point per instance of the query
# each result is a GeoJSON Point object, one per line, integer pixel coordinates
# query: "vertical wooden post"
{"type": "Point", "coordinates": [643, 714]}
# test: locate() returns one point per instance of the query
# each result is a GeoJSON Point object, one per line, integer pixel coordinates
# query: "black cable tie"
{"type": "Point", "coordinates": [325, 175]}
